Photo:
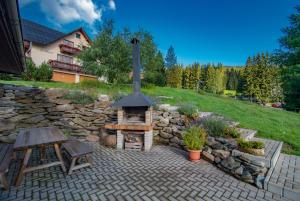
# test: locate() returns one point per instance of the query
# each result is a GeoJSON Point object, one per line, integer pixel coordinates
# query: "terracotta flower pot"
{"type": "Point", "coordinates": [194, 155]}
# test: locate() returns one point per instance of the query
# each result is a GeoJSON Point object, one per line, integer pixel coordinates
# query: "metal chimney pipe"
{"type": "Point", "coordinates": [136, 65]}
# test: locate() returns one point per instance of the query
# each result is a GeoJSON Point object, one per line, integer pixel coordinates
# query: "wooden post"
{"type": "Point", "coordinates": [42, 152]}
{"type": "Point", "coordinates": [89, 159]}
{"type": "Point", "coordinates": [24, 165]}
{"type": "Point", "coordinates": [58, 154]}
{"type": "Point", "coordinates": [72, 165]}
{"type": "Point", "coordinates": [3, 181]}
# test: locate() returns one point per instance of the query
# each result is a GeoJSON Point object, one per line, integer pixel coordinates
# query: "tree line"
{"type": "Point", "coordinates": [258, 81]}
{"type": "Point", "coordinates": [110, 56]}
{"type": "Point", "coordinates": [264, 78]}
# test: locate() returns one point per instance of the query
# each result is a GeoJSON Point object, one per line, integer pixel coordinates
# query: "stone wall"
{"type": "Point", "coordinates": [168, 127]}
{"type": "Point", "coordinates": [219, 150]}
{"type": "Point", "coordinates": [24, 107]}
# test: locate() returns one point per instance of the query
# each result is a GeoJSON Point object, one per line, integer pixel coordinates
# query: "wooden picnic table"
{"type": "Point", "coordinates": [28, 139]}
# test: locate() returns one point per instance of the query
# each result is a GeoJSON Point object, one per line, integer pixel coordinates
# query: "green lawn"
{"type": "Point", "coordinates": [270, 123]}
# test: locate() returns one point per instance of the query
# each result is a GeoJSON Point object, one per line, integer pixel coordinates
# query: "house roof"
{"type": "Point", "coordinates": [43, 35]}
{"type": "Point", "coordinates": [12, 59]}
{"type": "Point", "coordinates": [38, 33]}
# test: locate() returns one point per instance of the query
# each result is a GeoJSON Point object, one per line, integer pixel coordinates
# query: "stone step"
{"type": "Point", "coordinates": [247, 134]}
{"type": "Point", "coordinates": [284, 178]}
{"type": "Point", "coordinates": [272, 151]}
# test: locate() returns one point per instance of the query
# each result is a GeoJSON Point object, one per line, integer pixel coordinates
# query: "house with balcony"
{"type": "Point", "coordinates": [59, 50]}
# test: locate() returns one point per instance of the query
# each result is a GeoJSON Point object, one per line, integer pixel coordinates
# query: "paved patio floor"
{"type": "Point", "coordinates": [162, 174]}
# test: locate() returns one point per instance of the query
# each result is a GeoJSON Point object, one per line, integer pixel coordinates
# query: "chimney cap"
{"type": "Point", "coordinates": [135, 41]}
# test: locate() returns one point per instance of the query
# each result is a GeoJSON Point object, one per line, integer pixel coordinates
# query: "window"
{"type": "Point", "coordinates": [64, 58]}
{"type": "Point", "coordinates": [68, 43]}
{"type": "Point", "coordinates": [77, 35]}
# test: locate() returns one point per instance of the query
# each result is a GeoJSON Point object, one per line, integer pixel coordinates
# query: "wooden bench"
{"type": "Point", "coordinates": [77, 150]}
{"type": "Point", "coordinates": [6, 153]}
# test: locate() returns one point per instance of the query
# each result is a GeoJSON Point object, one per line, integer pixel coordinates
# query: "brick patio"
{"type": "Point", "coordinates": [162, 174]}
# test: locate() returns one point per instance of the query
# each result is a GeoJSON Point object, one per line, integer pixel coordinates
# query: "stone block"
{"type": "Point", "coordinates": [165, 135]}
{"type": "Point", "coordinates": [221, 153]}
{"type": "Point", "coordinates": [6, 125]}
{"type": "Point", "coordinates": [81, 122]}
{"type": "Point", "coordinates": [207, 156]}
{"type": "Point", "coordinates": [65, 107]}
{"type": "Point", "coordinates": [35, 119]}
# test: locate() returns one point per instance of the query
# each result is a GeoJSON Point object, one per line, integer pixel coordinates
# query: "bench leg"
{"type": "Point", "coordinates": [58, 154]}
{"type": "Point", "coordinates": [24, 165]}
{"type": "Point", "coordinates": [14, 156]}
{"type": "Point", "coordinates": [3, 181]}
{"type": "Point", "coordinates": [72, 165]}
{"type": "Point", "coordinates": [89, 159]}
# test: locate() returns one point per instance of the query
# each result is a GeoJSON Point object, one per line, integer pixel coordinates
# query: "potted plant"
{"type": "Point", "coordinates": [252, 147]}
{"type": "Point", "coordinates": [194, 139]}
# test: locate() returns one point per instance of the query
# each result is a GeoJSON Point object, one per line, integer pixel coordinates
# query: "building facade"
{"type": "Point", "coordinates": [59, 50]}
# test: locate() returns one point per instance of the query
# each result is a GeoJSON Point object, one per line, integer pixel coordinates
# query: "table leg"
{"type": "Point", "coordinates": [24, 165]}
{"type": "Point", "coordinates": [42, 152]}
{"type": "Point", "coordinates": [89, 159]}
{"type": "Point", "coordinates": [58, 154]}
{"type": "Point", "coordinates": [3, 181]}
{"type": "Point", "coordinates": [72, 165]}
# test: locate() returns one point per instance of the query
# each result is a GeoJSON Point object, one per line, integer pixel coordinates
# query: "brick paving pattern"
{"type": "Point", "coordinates": [285, 178]}
{"type": "Point", "coordinates": [162, 174]}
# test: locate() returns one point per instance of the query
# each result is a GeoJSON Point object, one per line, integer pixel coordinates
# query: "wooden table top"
{"type": "Point", "coordinates": [31, 137]}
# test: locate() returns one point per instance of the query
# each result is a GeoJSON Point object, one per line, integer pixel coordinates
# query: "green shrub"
{"type": "Point", "coordinates": [29, 71]}
{"type": "Point", "coordinates": [78, 97]}
{"type": "Point", "coordinates": [189, 110]}
{"type": "Point", "coordinates": [214, 127]}
{"type": "Point", "coordinates": [231, 132]}
{"type": "Point", "coordinates": [118, 96]}
{"type": "Point", "coordinates": [43, 73]}
{"type": "Point", "coordinates": [201, 92]}
{"type": "Point", "coordinates": [146, 85]}
{"type": "Point", "coordinates": [194, 138]}
{"type": "Point", "coordinates": [250, 144]}
{"type": "Point", "coordinates": [229, 92]}
{"type": "Point", "coordinates": [91, 84]}
{"type": "Point", "coordinates": [5, 76]}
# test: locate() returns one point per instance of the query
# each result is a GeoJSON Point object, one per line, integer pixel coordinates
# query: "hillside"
{"type": "Point", "coordinates": [270, 123]}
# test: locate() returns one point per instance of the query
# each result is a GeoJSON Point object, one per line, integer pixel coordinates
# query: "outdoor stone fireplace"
{"type": "Point", "coordinates": [134, 125]}
{"type": "Point", "coordinates": [134, 128]}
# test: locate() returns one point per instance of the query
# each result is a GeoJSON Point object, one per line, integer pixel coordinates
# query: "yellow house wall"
{"type": "Point", "coordinates": [40, 54]}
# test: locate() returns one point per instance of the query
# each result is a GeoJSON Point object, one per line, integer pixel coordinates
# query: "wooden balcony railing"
{"type": "Point", "coordinates": [65, 66]}
{"type": "Point", "coordinates": [68, 49]}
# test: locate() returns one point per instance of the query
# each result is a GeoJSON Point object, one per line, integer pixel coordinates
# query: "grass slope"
{"type": "Point", "coordinates": [270, 123]}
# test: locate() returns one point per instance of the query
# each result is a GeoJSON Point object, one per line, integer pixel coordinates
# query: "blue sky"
{"type": "Point", "coordinates": [225, 31]}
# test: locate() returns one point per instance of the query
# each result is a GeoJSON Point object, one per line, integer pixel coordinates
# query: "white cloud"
{"type": "Point", "coordinates": [66, 11]}
{"type": "Point", "coordinates": [60, 12]}
{"type": "Point", "coordinates": [112, 4]}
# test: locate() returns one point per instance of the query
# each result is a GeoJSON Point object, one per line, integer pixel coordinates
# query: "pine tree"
{"type": "Point", "coordinates": [232, 79]}
{"type": "Point", "coordinates": [261, 79]}
{"type": "Point", "coordinates": [171, 59]}
{"type": "Point", "coordinates": [185, 77]}
{"type": "Point", "coordinates": [194, 76]}
{"type": "Point", "coordinates": [174, 76]}
{"type": "Point", "coordinates": [248, 77]}
{"type": "Point", "coordinates": [219, 79]}
{"type": "Point", "coordinates": [210, 79]}
{"type": "Point", "coordinates": [289, 58]}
